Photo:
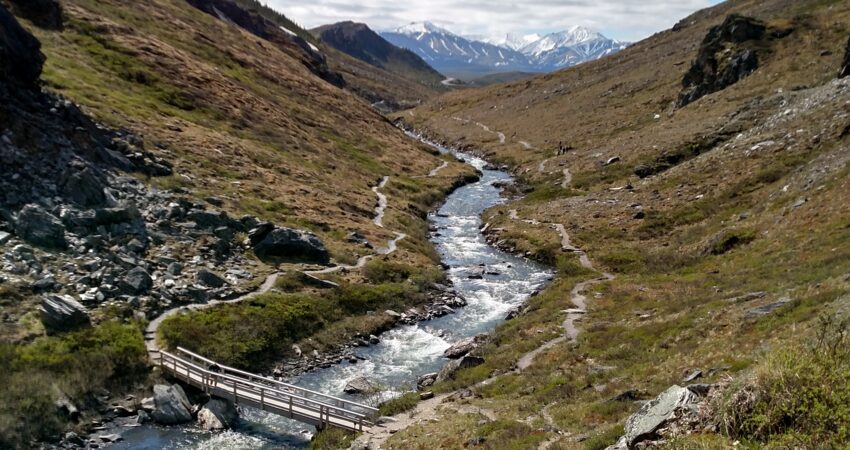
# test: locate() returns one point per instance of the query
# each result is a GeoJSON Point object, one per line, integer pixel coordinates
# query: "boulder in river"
{"type": "Point", "coordinates": [217, 414]}
{"type": "Point", "coordinates": [63, 313]}
{"type": "Point", "coordinates": [37, 226]}
{"type": "Point", "coordinates": [464, 346]}
{"type": "Point", "coordinates": [359, 385]}
{"type": "Point", "coordinates": [172, 405]}
{"type": "Point", "coordinates": [291, 244]}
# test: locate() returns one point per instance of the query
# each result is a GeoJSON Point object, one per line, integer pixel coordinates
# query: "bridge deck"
{"type": "Point", "coordinates": [284, 399]}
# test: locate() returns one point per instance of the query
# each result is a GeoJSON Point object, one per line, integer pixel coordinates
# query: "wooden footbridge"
{"type": "Point", "coordinates": [267, 394]}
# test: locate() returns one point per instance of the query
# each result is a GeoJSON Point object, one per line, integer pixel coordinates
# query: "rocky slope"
{"type": "Point", "coordinates": [357, 40]}
{"type": "Point", "coordinates": [705, 167]}
{"type": "Point", "coordinates": [157, 156]}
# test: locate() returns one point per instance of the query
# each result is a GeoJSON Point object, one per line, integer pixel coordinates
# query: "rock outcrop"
{"type": "Point", "coordinates": [42, 13]}
{"type": "Point", "coordinates": [20, 53]}
{"type": "Point", "coordinates": [726, 56]}
{"type": "Point", "coordinates": [62, 313]}
{"type": "Point", "coordinates": [217, 414]}
{"type": "Point", "coordinates": [172, 407]}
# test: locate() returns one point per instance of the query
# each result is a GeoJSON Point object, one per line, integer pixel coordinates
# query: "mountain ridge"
{"type": "Point", "coordinates": [453, 53]}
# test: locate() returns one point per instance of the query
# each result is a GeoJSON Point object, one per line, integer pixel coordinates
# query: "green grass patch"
{"type": "Point", "coordinates": [405, 402]}
{"type": "Point", "coordinates": [74, 365]}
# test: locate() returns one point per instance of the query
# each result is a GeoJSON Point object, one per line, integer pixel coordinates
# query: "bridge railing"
{"type": "Point", "coordinates": [262, 394]}
{"type": "Point", "coordinates": [286, 387]}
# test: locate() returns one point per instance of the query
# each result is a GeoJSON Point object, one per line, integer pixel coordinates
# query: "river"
{"type": "Point", "coordinates": [406, 352]}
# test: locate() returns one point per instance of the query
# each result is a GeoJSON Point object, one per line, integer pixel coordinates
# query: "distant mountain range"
{"type": "Point", "coordinates": [453, 54]}
{"type": "Point", "coordinates": [359, 41]}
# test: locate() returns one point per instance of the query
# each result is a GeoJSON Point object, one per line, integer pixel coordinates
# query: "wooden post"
{"type": "Point", "coordinates": [262, 398]}
{"type": "Point", "coordinates": [290, 406]}
{"type": "Point", "coordinates": [235, 397]}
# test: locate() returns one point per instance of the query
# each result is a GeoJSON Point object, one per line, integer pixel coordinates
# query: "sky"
{"type": "Point", "coordinates": [625, 20]}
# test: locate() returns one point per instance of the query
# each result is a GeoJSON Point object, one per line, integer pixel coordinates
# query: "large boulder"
{"type": "Point", "coordinates": [291, 244]}
{"type": "Point", "coordinates": [37, 226]}
{"type": "Point", "coordinates": [62, 313]}
{"type": "Point", "coordinates": [137, 281]}
{"type": "Point", "coordinates": [210, 279]}
{"type": "Point", "coordinates": [845, 65]}
{"type": "Point", "coordinates": [172, 407]}
{"type": "Point", "coordinates": [655, 413]}
{"type": "Point", "coordinates": [450, 369]}
{"type": "Point", "coordinates": [727, 55]}
{"type": "Point", "coordinates": [359, 385]}
{"type": "Point", "coordinates": [464, 346]}
{"type": "Point", "coordinates": [217, 414]}
{"type": "Point", "coordinates": [21, 59]}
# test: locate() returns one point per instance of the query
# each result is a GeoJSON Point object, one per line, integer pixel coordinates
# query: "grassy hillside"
{"type": "Point", "coordinates": [741, 191]}
{"type": "Point", "coordinates": [249, 129]}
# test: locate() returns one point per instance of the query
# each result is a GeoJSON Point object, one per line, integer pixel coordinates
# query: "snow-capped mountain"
{"type": "Point", "coordinates": [571, 47]}
{"type": "Point", "coordinates": [453, 54]}
{"type": "Point", "coordinates": [450, 53]}
{"type": "Point", "coordinates": [514, 41]}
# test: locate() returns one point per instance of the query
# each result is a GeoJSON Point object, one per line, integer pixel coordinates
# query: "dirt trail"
{"type": "Point", "coordinates": [429, 409]}
{"type": "Point", "coordinates": [434, 172]}
{"type": "Point", "coordinates": [382, 202]}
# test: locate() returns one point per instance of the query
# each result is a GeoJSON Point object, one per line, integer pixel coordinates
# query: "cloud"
{"type": "Point", "coordinates": [627, 20]}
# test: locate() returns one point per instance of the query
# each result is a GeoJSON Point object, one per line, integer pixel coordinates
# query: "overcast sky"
{"type": "Point", "coordinates": [626, 20]}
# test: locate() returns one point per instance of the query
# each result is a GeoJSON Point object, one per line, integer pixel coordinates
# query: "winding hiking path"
{"type": "Point", "coordinates": [151, 343]}
{"type": "Point", "coordinates": [428, 410]}
{"type": "Point", "coordinates": [382, 202]}
{"type": "Point", "coordinates": [434, 172]}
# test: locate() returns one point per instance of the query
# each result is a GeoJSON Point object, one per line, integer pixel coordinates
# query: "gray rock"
{"type": "Point", "coordinates": [448, 371]}
{"type": "Point", "coordinates": [35, 225]}
{"type": "Point", "coordinates": [766, 309]}
{"type": "Point", "coordinates": [426, 380]}
{"type": "Point", "coordinates": [114, 437]}
{"type": "Point", "coordinates": [291, 244]}
{"type": "Point", "coordinates": [148, 404]}
{"type": "Point", "coordinates": [464, 346]}
{"type": "Point", "coordinates": [4, 237]}
{"type": "Point", "coordinates": [359, 385]}
{"type": "Point", "coordinates": [137, 281]}
{"type": "Point", "coordinates": [692, 376]}
{"type": "Point", "coordinates": [172, 405]}
{"type": "Point", "coordinates": [175, 268]}
{"type": "Point", "coordinates": [120, 214]}
{"type": "Point", "coordinates": [259, 232]}
{"type": "Point", "coordinates": [63, 313]}
{"type": "Point", "coordinates": [210, 279]}
{"type": "Point", "coordinates": [655, 413]}
{"type": "Point", "coordinates": [83, 187]}
{"type": "Point", "coordinates": [217, 414]}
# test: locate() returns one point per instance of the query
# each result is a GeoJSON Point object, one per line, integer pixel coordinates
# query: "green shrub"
{"type": "Point", "coordinates": [331, 439]}
{"type": "Point", "coordinates": [382, 271]}
{"type": "Point", "coordinates": [798, 396]}
{"type": "Point", "coordinates": [247, 334]}
{"type": "Point", "coordinates": [604, 439]}
{"type": "Point", "coordinates": [72, 365]}
{"type": "Point", "coordinates": [398, 405]}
